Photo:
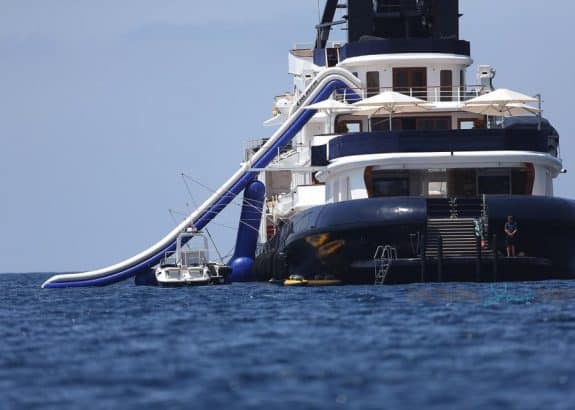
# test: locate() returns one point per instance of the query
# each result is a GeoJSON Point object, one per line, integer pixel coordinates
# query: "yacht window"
{"type": "Point", "coordinates": [411, 123]}
{"type": "Point", "coordinates": [466, 124]}
{"type": "Point", "coordinates": [522, 180]}
{"type": "Point", "coordinates": [347, 126]}
{"type": "Point", "coordinates": [411, 81]}
{"type": "Point", "coordinates": [354, 126]}
{"type": "Point", "coordinates": [494, 184]}
{"type": "Point", "coordinates": [437, 188]}
{"type": "Point", "coordinates": [434, 123]}
{"type": "Point", "coordinates": [470, 123]}
{"type": "Point", "coordinates": [446, 90]}
{"type": "Point", "coordinates": [382, 124]}
{"type": "Point", "coordinates": [462, 182]}
{"type": "Point", "coordinates": [391, 185]}
{"type": "Point", "coordinates": [372, 82]}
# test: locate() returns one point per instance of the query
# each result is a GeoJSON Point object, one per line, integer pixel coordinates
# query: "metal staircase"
{"type": "Point", "coordinates": [451, 227]}
{"type": "Point", "coordinates": [456, 236]}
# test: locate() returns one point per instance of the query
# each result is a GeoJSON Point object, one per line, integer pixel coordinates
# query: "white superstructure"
{"type": "Point", "coordinates": [294, 182]}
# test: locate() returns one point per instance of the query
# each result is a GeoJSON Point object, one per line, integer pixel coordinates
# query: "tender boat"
{"type": "Point", "coordinates": [189, 265]}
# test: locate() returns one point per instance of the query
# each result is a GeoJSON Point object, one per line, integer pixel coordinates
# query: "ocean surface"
{"type": "Point", "coordinates": [260, 346]}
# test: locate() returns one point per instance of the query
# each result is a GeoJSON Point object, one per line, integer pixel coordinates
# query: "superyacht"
{"type": "Point", "coordinates": [391, 163]}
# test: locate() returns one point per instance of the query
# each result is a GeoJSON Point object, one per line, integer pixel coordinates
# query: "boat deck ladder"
{"type": "Point", "coordinates": [382, 261]}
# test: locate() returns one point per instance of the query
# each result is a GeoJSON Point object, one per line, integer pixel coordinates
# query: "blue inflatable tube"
{"type": "Point", "coordinates": [248, 231]}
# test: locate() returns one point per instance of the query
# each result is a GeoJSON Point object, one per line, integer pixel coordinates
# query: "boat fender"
{"type": "Point", "coordinates": [242, 269]}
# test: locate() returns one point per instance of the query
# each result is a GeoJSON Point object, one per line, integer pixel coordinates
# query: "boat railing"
{"type": "Point", "coordinates": [253, 146]}
{"type": "Point", "coordinates": [194, 257]}
{"type": "Point", "coordinates": [169, 259]}
{"type": "Point", "coordinates": [429, 94]}
{"type": "Point", "coordinates": [311, 46]}
{"type": "Point", "coordinates": [303, 46]}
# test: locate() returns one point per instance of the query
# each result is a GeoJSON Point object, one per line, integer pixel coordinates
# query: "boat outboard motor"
{"type": "Point", "coordinates": [244, 255]}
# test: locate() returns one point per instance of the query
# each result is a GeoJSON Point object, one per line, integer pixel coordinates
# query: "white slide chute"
{"type": "Point", "coordinates": [322, 87]}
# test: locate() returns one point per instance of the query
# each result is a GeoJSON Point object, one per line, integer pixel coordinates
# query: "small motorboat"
{"type": "Point", "coordinates": [190, 264]}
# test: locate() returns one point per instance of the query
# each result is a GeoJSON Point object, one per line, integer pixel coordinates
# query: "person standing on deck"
{"type": "Point", "coordinates": [510, 236]}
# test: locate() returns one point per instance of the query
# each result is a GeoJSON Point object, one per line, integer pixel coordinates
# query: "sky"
{"type": "Point", "coordinates": [103, 104]}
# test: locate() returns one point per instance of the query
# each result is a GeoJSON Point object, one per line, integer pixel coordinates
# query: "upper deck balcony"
{"type": "Point", "coordinates": [383, 142]}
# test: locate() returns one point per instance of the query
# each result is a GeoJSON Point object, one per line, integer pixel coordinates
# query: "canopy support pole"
{"type": "Point", "coordinates": [539, 113]}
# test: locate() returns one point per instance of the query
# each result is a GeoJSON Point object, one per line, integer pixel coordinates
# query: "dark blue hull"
{"type": "Point", "coordinates": [339, 241]}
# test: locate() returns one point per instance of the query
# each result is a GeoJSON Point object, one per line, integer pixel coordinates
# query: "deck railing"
{"type": "Point", "coordinates": [429, 94]}
{"type": "Point", "coordinates": [253, 146]}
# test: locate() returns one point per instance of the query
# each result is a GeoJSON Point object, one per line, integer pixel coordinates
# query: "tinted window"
{"type": "Point", "coordinates": [494, 185]}
{"type": "Point", "coordinates": [372, 83]}
{"type": "Point", "coordinates": [434, 123]}
{"type": "Point", "coordinates": [382, 124]}
{"type": "Point", "coordinates": [391, 186]}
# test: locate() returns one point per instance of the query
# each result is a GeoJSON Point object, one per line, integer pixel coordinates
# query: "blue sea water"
{"type": "Point", "coordinates": [259, 346]}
